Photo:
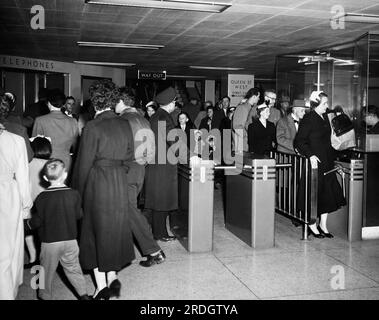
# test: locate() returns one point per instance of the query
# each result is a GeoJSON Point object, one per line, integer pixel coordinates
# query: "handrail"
{"type": "Point", "coordinates": [294, 176]}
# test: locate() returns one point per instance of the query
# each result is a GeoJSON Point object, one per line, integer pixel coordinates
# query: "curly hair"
{"type": "Point", "coordinates": [6, 106]}
{"type": "Point", "coordinates": [104, 94]}
{"type": "Point", "coordinates": [127, 95]}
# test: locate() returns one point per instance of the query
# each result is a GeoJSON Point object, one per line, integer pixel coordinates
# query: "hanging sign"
{"type": "Point", "coordinates": [151, 75]}
{"type": "Point", "coordinates": [238, 85]}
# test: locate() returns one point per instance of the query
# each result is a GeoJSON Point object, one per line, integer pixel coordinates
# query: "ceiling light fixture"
{"type": "Point", "coordinates": [215, 68]}
{"type": "Point", "coordinates": [358, 18]}
{"type": "Point", "coordinates": [119, 45]}
{"type": "Point", "coordinates": [187, 5]}
{"type": "Point", "coordinates": [108, 64]}
{"type": "Point", "coordinates": [185, 77]}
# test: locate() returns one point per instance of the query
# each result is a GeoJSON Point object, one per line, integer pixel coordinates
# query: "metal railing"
{"type": "Point", "coordinates": [296, 187]}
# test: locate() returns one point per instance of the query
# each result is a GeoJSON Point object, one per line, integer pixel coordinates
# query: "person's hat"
{"type": "Point", "coordinates": [299, 103]}
{"type": "Point", "coordinates": [166, 96]}
{"type": "Point", "coordinates": [315, 96]}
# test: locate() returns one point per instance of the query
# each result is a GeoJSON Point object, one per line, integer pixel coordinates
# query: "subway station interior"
{"type": "Point", "coordinates": [237, 232]}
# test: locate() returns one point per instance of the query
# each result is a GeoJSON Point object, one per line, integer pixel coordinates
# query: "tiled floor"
{"type": "Point", "coordinates": [293, 269]}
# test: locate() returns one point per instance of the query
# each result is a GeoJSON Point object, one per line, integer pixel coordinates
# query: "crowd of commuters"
{"type": "Point", "coordinates": [60, 165]}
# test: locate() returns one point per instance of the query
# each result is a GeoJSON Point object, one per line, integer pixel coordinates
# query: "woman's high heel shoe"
{"type": "Point", "coordinates": [115, 288]}
{"type": "Point", "coordinates": [316, 235]}
{"type": "Point", "coordinates": [325, 234]}
{"type": "Point", "coordinates": [103, 294]}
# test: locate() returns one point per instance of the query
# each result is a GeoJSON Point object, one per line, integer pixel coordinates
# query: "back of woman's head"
{"type": "Point", "coordinates": [315, 98]}
{"type": "Point", "coordinates": [7, 103]}
{"type": "Point", "coordinates": [41, 147]}
{"type": "Point", "coordinates": [104, 94]}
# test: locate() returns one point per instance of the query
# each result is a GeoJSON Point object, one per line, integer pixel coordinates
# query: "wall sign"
{"type": "Point", "coordinates": [151, 75]}
{"type": "Point", "coordinates": [27, 63]}
{"type": "Point", "coordinates": [238, 85]}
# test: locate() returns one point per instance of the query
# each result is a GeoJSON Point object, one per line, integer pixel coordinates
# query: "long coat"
{"type": "Point", "coordinates": [313, 138]}
{"type": "Point", "coordinates": [161, 180]}
{"type": "Point", "coordinates": [106, 238]}
{"type": "Point", "coordinates": [15, 201]}
{"type": "Point", "coordinates": [285, 134]}
{"type": "Point", "coordinates": [261, 139]}
{"type": "Point", "coordinates": [62, 130]}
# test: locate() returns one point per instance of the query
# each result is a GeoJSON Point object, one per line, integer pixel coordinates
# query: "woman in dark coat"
{"type": "Point", "coordinates": [313, 141]}
{"type": "Point", "coordinates": [100, 175]}
{"type": "Point", "coordinates": [261, 133]}
{"type": "Point", "coordinates": [161, 179]}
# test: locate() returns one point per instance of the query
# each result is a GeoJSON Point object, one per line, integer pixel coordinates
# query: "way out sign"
{"type": "Point", "coordinates": [238, 85]}
{"type": "Point", "coordinates": [151, 75]}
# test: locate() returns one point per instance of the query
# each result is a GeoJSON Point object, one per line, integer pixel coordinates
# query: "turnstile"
{"type": "Point", "coordinates": [347, 221]}
{"type": "Point", "coordinates": [250, 202]}
{"type": "Point", "coordinates": [195, 221]}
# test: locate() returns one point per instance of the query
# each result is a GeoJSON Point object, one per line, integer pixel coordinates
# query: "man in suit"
{"type": "Point", "coordinates": [62, 130]}
{"type": "Point", "coordinates": [240, 121]}
{"type": "Point", "coordinates": [136, 175]}
{"type": "Point", "coordinates": [287, 127]}
{"type": "Point", "coordinates": [37, 109]}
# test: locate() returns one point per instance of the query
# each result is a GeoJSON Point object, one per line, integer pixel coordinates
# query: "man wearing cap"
{"type": "Point", "coordinates": [287, 127]}
{"type": "Point", "coordinates": [162, 178]}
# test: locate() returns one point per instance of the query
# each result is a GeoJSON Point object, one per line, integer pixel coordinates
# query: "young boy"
{"type": "Point", "coordinates": [57, 210]}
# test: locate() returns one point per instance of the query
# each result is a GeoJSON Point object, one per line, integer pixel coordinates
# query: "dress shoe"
{"type": "Point", "coordinates": [316, 235]}
{"type": "Point", "coordinates": [115, 288]}
{"type": "Point", "coordinates": [103, 294]}
{"type": "Point", "coordinates": [325, 234]}
{"type": "Point", "coordinates": [157, 259]}
{"type": "Point", "coordinates": [85, 297]}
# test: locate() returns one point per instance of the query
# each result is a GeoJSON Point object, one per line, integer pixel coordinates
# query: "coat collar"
{"type": "Point", "coordinates": [106, 115]}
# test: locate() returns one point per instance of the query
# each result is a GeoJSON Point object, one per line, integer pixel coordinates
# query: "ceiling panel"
{"type": "Point", "coordinates": [249, 34]}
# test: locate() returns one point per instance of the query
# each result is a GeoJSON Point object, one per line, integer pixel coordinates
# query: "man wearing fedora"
{"type": "Point", "coordinates": [287, 127]}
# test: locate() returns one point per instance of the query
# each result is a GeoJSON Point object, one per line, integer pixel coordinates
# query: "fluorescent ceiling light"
{"type": "Point", "coordinates": [119, 45]}
{"type": "Point", "coordinates": [358, 18]}
{"type": "Point", "coordinates": [190, 5]}
{"type": "Point", "coordinates": [109, 64]}
{"type": "Point", "coordinates": [215, 68]}
{"type": "Point", "coordinates": [185, 77]}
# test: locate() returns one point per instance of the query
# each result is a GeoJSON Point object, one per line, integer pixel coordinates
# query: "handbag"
{"type": "Point", "coordinates": [342, 124]}
{"type": "Point", "coordinates": [345, 138]}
